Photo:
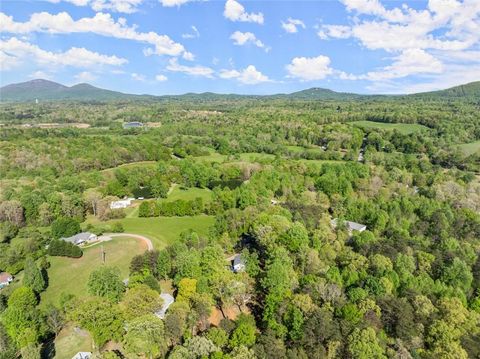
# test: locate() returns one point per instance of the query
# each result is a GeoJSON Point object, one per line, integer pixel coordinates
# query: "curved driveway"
{"type": "Point", "coordinates": [110, 236]}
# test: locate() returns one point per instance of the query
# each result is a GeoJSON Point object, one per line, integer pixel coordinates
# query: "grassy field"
{"type": "Point", "coordinates": [161, 230]}
{"type": "Point", "coordinates": [405, 128]}
{"type": "Point", "coordinates": [70, 275]}
{"type": "Point", "coordinates": [70, 341]}
{"type": "Point", "coordinates": [188, 194]}
{"type": "Point", "coordinates": [470, 148]}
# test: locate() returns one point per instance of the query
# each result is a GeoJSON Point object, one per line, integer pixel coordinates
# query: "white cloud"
{"type": "Point", "coordinates": [40, 75]}
{"type": "Point", "coordinates": [310, 68]}
{"type": "Point", "coordinates": [161, 78]}
{"type": "Point", "coordinates": [85, 76]}
{"type": "Point", "coordinates": [244, 38]}
{"type": "Point", "coordinates": [197, 70]}
{"type": "Point", "coordinates": [291, 26]}
{"type": "Point", "coordinates": [248, 76]}
{"type": "Point", "coordinates": [125, 6]}
{"type": "Point", "coordinates": [192, 35]}
{"type": "Point", "coordinates": [101, 24]}
{"type": "Point", "coordinates": [171, 3]}
{"type": "Point", "coordinates": [137, 77]}
{"type": "Point", "coordinates": [409, 62]}
{"type": "Point", "coordinates": [16, 52]}
{"type": "Point", "coordinates": [235, 11]}
{"type": "Point", "coordinates": [188, 56]}
{"type": "Point", "coordinates": [334, 31]}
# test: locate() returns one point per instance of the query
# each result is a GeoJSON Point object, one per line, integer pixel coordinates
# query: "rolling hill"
{"type": "Point", "coordinates": [45, 90]}
{"type": "Point", "coordinates": [52, 91]}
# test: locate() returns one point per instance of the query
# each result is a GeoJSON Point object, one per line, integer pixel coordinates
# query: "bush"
{"type": "Point", "coordinates": [61, 248]}
{"type": "Point", "coordinates": [65, 227]}
{"type": "Point", "coordinates": [117, 228]}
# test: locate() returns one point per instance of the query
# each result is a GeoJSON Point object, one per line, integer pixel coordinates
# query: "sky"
{"type": "Point", "coordinates": [237, 46]}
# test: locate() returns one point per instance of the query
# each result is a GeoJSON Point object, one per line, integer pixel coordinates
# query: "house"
{"type": "Point", "coordinates": [82, 355]}
{"type": "Point", "coordinates": [133, 124]}
{"type": "Point", "coordinates": [5, 279]}
{"type": "Point", "coordinates": [81, 238]}
{"type": "Point", "coordinates": [238, 264]}
{"type": "Point", "coordinates": [124, 203]}
{"type": "Point", "coordinates": [351, 226]}
{"type": "Point", "coordinates": [168, 300]}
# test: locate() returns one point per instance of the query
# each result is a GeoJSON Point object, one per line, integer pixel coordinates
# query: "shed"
{"type": "Point", "coordinates": [351, 226]}
{"type": "Point", "coordinates": [238, 264]}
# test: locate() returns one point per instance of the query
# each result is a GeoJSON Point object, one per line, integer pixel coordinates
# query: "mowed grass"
{"type": "Point", "coordinates": [404, 128]}
{"type": "Point", "coordinates": [161, 230]}
{"type": "Point", "coordinates": [188, 194]}
{"type": "Point", "coordinates": [70, 275]}
{"type": "Point", "coordinates": [70, 341]}
{"type": "Point", "coordinates": [470, 148]}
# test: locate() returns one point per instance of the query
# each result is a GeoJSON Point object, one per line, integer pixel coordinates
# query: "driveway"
{"type": "Point", "coordinates": [109, 236]}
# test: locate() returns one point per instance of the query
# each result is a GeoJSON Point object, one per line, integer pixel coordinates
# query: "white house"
{"type": "Point", "coordinates": [5, 279]}
{"type": "Point", "coordinates": [82, 355]}
{"type": "Point", "coordinates": [351, 226]}
{"type": "Point", "coordinates": [167, 302]}
{"type": "Point", "coordinates": [123, 203]}
{"type": "Point", "coordinates": [81, 238]}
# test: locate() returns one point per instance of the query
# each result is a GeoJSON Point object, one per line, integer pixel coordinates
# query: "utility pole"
{"type": "Point", "coordinates": [103, 255]}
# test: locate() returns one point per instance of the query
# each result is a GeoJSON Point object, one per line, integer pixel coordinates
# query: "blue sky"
{"type": "Point", "coordinates": [233, 46]}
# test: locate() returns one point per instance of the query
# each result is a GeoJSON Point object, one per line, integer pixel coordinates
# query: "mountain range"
{"type": "Point", "coordinates": [45, 90]}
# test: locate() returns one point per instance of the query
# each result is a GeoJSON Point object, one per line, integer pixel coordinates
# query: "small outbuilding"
{"type": "Point", "coordinates": [5, 279]}
{"type": "Point", "coordinates": [81, 238]}
{"type": "Point", "coordinates": [168, 300]}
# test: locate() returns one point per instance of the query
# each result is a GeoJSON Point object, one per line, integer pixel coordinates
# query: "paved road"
{"type": "Point", "coordinates": [110, 236]}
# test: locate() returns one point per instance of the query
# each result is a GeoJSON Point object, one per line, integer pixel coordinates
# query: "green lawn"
{"type": "Point", "coordinates": [405, 128]}
{"type": "Point", "coordinates": [470, 148]}
{"type": "Point", "coordinates": [70, 275]}
{"type": "Point", "coordinates": [188, 194]}
{"type": "Point", "coordinates": [70, 341]}
{"type": "Point", "coordinates": [161, 230]}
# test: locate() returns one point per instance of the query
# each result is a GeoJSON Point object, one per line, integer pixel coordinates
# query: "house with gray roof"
{"type": "Point", "coordinates": [133, 124]}
{"type": "Point", "coordinates": [168, 300]}
{"type": "Point", "coordinates": [351, 226]}
{"type": "Point", "coordinates": [81, 238]}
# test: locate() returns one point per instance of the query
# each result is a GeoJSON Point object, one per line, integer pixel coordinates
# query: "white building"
{"type": "Point", "coordinates": [123, 203]}
{"type": "Point", "coordinates": [82, 355]}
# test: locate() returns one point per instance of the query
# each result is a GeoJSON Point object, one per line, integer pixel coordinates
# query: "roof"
{"type": "Point", "coordinates": [352, 226]}
{"type": "Point", "coordinates": [167, 301]}
{"type": "Point", "coordinates": [133, 124]}
{"type": "Point", "coordinates": [5, 277]}
{"type": "Point", "coordinates": [82, 355]}
{"type": "Point", "coordinates": [238, 260]}
{"type": "Point", "coordinates": [84, 236]}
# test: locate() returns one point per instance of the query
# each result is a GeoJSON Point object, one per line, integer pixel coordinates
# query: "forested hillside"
{"type": "Point", "coordinates": [282, 227]}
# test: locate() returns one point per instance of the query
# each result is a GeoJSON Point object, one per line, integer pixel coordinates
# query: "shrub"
{"type": "Point", "coordinates": [61, 248]}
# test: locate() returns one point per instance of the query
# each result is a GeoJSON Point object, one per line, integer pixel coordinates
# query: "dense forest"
{"type": "Point", "coordinates": [276, 182]}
